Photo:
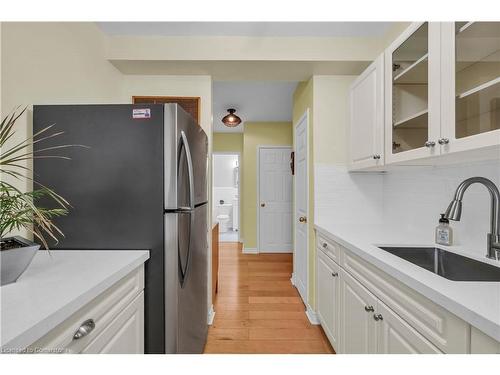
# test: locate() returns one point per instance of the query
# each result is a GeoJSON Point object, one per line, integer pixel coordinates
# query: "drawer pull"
{"type": "Point", "coordinates": [378, 317]}
{"type": "Point", "coordinates": [325, 245]}
{"type": "Point", "coordinates": [86, 327]}
{"type": "Point", "coordinates": [335, 274]}
{"type": "Point", "coordinates": [369, 308]}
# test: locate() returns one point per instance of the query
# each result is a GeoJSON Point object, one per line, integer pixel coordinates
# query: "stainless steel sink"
{"type": "Point", "coordinates": [446, 264]}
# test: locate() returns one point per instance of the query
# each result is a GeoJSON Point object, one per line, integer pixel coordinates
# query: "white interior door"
{"type": "Point", "coordinates": [275, 200]}
{"type": "Point", "coordinates": [301, 208]}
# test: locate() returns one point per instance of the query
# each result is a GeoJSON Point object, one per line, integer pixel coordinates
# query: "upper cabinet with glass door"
{"type": "Point", "coordinates": [471, 85]}
{"type": "Point", "coordinates": [412, 100]}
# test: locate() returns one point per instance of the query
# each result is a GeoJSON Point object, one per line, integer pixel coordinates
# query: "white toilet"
{"type": "Point", "coordinates": [224, 212]}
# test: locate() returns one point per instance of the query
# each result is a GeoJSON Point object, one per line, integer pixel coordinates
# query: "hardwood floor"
{"type": "Point", "coordinates": [257, 310]}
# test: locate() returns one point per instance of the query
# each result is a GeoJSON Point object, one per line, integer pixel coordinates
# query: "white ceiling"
{"type": "Point", "coordinates": [253, 101]}
{"type": "Point", "coordinates": [257, 29]}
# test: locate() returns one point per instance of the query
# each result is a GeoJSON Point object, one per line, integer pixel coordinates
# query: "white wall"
{"type": "Point", "coordinates": [407, 201]}
{"type": "Point", "coordinates": [224, 170]}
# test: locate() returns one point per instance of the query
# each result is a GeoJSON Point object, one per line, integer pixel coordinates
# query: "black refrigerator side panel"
{"type": "Point", "coordinates": [114, 185]}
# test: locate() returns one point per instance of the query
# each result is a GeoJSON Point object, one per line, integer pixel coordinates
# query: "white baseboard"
{"type": "Point", "coordinates": [292, 279]}
{"type": "Point", "coordinates": [311, 315]}
{"type": "Point", "coordinates": [249, 250]}
{"type": "Point", "coordinates": [211, 315]}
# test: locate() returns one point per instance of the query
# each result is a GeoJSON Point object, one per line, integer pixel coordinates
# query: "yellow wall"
{"type": "Point", "coordinates": [257, 134]}
{"type": "Point", "coordinates": [51, 63]}
{"type": "Point", "coordinates": [63, 63]}
{"type": "Point", "coordinates": [331, 118]}
{"type": "Point", "coordinates": [326, 97]}
{"type": "Point", "coordinates": [228, 142]}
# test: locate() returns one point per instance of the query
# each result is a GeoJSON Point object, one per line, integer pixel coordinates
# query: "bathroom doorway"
{"type": "Point", "coordinates": [226, 195]}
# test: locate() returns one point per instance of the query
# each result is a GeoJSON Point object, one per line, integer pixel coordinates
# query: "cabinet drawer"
{"type": "Point", "coordinates": [449, 333]}
{"type": "Point", "coordinates": [102, 310]}
{"type": "Point", "coordinates": [328, 246]}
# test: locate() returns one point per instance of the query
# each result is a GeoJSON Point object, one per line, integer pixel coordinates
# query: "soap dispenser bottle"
{"type": "Point", "coordinates": [444, 233]}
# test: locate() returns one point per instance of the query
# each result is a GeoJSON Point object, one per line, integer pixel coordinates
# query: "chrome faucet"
{"type": "Point", "coordinates": [454, 212]}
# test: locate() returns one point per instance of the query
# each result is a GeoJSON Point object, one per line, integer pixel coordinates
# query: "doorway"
{"type": "Point", "coordinates": [226, 195]}
{"type": "Point", "coordinates": [274, 200]}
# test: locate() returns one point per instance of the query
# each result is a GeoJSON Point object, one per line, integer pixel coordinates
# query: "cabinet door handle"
{"type": "Point", "coordinates": [429, 144]}
{"type": "Point", "coordinates": [378, 317]}
{"type": "Point", "coordinates": [376, 157]}
{"type": "Point", "coordinates": [369, 308]}
{"type": "Point", "coordinates": [302, 219]}
{"type": "Point", "coordinates": [86, 327]}
{"type": "Point", "coordinates": [325, 245]}
{"type": "Point", "coordinates": [443, 141]}
{"type": "Point", "coordinates": [335, 274]}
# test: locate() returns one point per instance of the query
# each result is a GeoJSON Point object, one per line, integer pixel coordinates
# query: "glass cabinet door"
{"type": "Point", "coordinates": [410, 84]}
{"type": "Point", "coordinates": [477, 78]}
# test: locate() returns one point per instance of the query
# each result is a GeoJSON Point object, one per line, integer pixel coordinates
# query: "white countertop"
{"type": "Point", "coordinates": [57, 285]}
{"type": "Point", "coordinates": [478, 303]}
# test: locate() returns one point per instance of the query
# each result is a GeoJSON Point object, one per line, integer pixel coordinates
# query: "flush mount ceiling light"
{"type": "Point", "coordinates": [231, 120]}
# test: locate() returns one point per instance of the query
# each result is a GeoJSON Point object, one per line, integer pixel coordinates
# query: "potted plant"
{"type": "Point", "coordinates": [18, 209]}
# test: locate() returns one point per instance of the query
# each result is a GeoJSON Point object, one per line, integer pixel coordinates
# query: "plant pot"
{"type": "Point", "coordinates": [15, 256]}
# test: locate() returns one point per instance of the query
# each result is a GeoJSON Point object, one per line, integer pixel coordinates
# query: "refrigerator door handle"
{"type": "Point", "coordinates": [190, 168]}
{"type": "Point", "coordinates": [187, 210]}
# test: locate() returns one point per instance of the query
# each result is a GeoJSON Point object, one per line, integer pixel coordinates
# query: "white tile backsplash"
{"type": "Point", "coordinates": [408, 200]}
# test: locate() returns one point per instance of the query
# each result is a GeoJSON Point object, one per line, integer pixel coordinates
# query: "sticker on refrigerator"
{"type": "Point", "coordinates": [141, 113]}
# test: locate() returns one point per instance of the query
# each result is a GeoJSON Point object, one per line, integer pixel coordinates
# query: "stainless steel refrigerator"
{"type": "Point", "coordinates": [140, 183]}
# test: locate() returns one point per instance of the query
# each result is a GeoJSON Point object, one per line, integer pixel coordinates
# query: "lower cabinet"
{"type": "Point", "coordinates": [328, 310]}
{"type": "Point", "coordinates": [125, 334]}
{"type": "Point", "coordinates": [113, 322]}
{"type": "Point", "coordinates": [356, 317]}
{"type": "Point", "coordinates": [395, 336]}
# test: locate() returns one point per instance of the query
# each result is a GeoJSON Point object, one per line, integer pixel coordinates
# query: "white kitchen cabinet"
{"type": "Point", "coordinates": [378, 314]}
{"type": "Point", "coordinates": [412, 93]}
{"type": "Point", "coordinates": [470, 87]}
{"type": "Point", "coordinates": [441, 98]}
{"type": "Point", "coordinates": [328, 296]}
{"type": "Point", "coordinates": [366, 136]}
{"type": "Point", "coordinates": [113, 322]}
{"type": "Point", "coordinates": [395, 336]}
{"type": "Point", "coordinates": [358, 329]}
{"type": "Point", "coordinates": [483, 344]}
{"type": "Point", "coordinates": [125, 334]}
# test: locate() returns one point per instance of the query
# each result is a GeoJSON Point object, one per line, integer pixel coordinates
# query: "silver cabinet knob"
{"type": "Point", "coordinates": [369, 308]}
{"type": "Point", "coordinates": [443, 141]}
{"type": "Point", "coordinates": [86, 327]}
{"type": "Point", "coordinates": [335, 274]}
{"type": "Point", "coordinates": [325, 245]}
{"type": "Point", "coordinates": [376, 157]}
{"type": "Point", "coordinates": [378, 317]}
{"type": "Point", "coordinates": [429, 144]}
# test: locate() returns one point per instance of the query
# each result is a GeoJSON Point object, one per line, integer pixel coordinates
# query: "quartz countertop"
{"type": "Point", "coordinates": [55, 286]}
{"type": "Point", "coordinates": [477, 303]}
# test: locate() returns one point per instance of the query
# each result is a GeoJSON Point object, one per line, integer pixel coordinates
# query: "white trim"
{"type": "Point", "coordinates": [311, 315]}
{"type": "Point", "coordinates": [239, 184]}
{"type": "Point", "coordinates": [305, 116]}
{"type": "Point", "coordinates": [211, 315]}
{"type": "Point", "coordinates": [292, 279]}
{"type": "Point", "coordinates": [259, 147]}
{"type": "Point", "coordinates": [249, 250]}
